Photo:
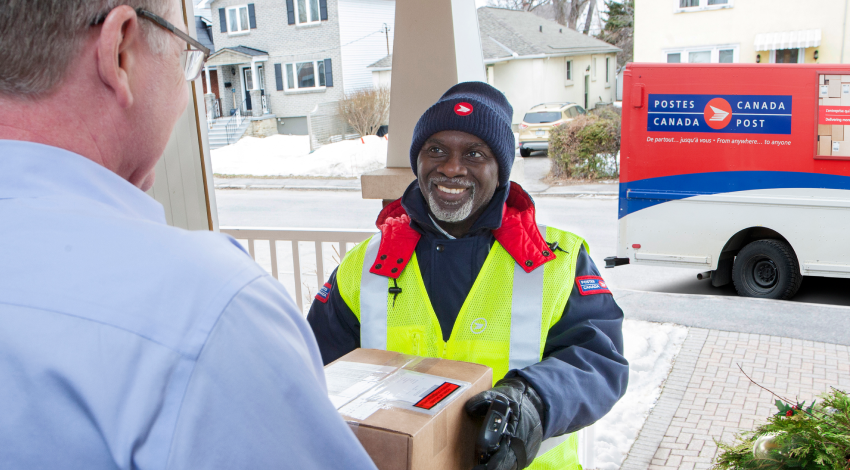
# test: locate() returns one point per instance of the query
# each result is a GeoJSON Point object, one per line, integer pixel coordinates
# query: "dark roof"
{"type": "Point", "coordinates": [204, 33]}
{"type": "Point", "coordinates": [507, 32]}
{"type": "Point", "coordinates": [247, 50]}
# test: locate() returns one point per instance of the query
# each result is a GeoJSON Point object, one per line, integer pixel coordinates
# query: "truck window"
{"type": "Point", "coordinates": [541, 117]}
{"type": "Point", "coordinates": [580, 110]}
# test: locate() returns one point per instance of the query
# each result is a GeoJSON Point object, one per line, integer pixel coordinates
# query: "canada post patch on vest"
{"type": "Point", "coordinates": [589, 285]}
{"type": "Point", "coordinates": [324, 293]}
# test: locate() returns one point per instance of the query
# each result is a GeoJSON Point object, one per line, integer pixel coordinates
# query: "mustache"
{"type": "Point", "coordinates": [446, 179]}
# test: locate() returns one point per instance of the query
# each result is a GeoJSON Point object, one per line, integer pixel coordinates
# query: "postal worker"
{"type": "Point", "coordinates": [461, 270]}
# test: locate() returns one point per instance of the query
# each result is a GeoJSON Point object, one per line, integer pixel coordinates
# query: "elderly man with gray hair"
{"type": "Point", "coordinates": [126, 343]}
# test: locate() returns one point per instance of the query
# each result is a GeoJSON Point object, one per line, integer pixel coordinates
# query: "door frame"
{"type": "Point", "coordinates": [246, 93]}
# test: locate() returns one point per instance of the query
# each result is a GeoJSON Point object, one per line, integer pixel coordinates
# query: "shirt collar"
{"type": "Point", "coordinates": [30, 170]}
{"type": "Point", "coordinates": [416, 207]}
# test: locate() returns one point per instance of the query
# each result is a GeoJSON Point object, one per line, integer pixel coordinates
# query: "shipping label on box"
{"type": "Point", "coordinates": [407, 411]}
{"type": "Point", "coordinates": [845, 94]}
{"type": "Point", "coordinates": [824, 91]}
{"type": "Point", "coordinates": [825, 146]}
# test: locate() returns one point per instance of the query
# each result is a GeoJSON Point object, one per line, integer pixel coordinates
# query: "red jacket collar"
{"type": "Point", "coordinates": [518, 234]}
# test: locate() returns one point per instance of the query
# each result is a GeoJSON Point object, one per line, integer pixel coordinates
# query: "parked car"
{"type": "Point", "coordinates": [539, 120]}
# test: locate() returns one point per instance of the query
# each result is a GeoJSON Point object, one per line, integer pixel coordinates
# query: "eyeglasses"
{"type": "Point", "coordinates": [191, 60]}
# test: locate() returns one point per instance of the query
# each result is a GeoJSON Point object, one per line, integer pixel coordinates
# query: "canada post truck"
{"type": "Point", "coordinates": [740, 171]}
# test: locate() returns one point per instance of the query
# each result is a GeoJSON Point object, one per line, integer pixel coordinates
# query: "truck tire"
{"type": "Point", "coordinates": [767, 269]}
{"type": "Point", "coordinates": [524, 152]}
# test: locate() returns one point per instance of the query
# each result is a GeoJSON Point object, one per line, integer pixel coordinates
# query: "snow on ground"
{"type": "Point", "coordinates": [650, 349]}
{"type": "Point", "coordinates": [289, 155]}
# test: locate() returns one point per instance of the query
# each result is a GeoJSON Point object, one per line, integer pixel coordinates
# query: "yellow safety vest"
{"type": "Point", "coordinates": [503, 322]}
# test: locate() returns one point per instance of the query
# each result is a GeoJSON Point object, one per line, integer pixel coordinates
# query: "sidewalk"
{"type": "Point", "coordinates": [706, 397]}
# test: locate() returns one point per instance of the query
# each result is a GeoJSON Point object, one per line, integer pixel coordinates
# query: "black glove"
{"type": "Point", "coordinates": [524, 433]}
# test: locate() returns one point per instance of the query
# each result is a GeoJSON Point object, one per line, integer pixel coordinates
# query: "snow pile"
{"type": "Point", "coordinates": [289, 155]}
{"type": "Point", "coordinates": [650, 350]}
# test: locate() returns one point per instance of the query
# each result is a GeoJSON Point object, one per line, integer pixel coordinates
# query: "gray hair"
{"type": "Point", "coordinates": [40, 38]}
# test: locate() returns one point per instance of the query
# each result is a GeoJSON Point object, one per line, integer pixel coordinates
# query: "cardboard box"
{"type": "Point", "coordinates": [830, 101]}
{"type": "Point", "coordinates": [825, 145]}
{"type": "Point", "coordinates": [393, 434]}
{"type": "Point", "coordinates": [832, 77]}
{"type": "Point", "coordinates": [834, 88]}
{"type": "Point", "coordinates": [825, 129]}
{"type": "Point", "coordinates": [821, 79]}
{"type": "Point", "coordinates": [841, 149]}
{"type": "Point", "coordinates": [844, 78]}
{"type": "Point", "coordinates": [837, 133]}
{"type": "Point", "coordinates": [823, 91]}
{"type": "Point", "coordinates": [845, 94]}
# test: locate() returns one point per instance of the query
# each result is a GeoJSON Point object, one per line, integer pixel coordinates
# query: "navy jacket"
{"type": "Point", "coordinates": [583, 372]}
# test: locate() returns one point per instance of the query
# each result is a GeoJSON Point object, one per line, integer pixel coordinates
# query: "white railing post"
{"type": "Point", "coordinates": [586, 455]}
{"type": "Point", "coordinates": [317, 236]}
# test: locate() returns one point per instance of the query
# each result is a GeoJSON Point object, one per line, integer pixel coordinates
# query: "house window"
{"type": "Point", "coordinates": [787, 56]}
{"type": "Point", "coordinates": [696, 5]}
{"type": "Point", "coordinates": [305, 75]}
{"type": "Point", "coordinates": [569, 73]}
{"type": "Point", "coordinates": [307, 11]}
{"type": "Point", "coordinates": [593, 70]}
{"type": "Point", "coordinates": [727, 54]}
{"type": "Point", "coordinates": [237, 19]}
{"type": "Point", "coordinates": [607, 71]}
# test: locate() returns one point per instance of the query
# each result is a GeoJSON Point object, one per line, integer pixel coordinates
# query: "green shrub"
{"type": "Point", "coordinates": [587, 147]}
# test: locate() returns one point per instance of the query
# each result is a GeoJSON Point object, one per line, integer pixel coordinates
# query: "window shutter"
{"type": "Point", "coordinates": [323, 9]}
{"type": "Point", "coordinates": [329, 74]}
{"type": "Point", "coordinates": [290, 12]}
{"type": "Point", "coordinates": [278, 77]}
{"type": "Point", "coordinates": [222, 18]}
{"type": "Point", "coordinates": [252, 19]}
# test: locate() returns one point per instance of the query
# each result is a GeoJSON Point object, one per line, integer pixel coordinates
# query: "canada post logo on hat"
{"type": "Point", "coordinates": [728, 114]}
{"type": "Point", "coordinates": [463, 109]}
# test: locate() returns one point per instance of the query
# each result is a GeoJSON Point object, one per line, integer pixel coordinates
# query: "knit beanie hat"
{"type": "Point", "coordinates": [475, 108]}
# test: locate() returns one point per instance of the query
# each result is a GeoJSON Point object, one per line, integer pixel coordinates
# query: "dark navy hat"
{"type": "Point", "coordinates": [475, 108]}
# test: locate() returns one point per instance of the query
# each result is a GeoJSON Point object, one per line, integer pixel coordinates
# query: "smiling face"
{"type": "Point", "coordinates": [458, 175]}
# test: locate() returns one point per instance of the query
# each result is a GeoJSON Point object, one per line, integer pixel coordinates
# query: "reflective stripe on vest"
{"type": "Point", "coordinates": [373, 299]}
{"type": "Point", "coordinates": [526, 315]}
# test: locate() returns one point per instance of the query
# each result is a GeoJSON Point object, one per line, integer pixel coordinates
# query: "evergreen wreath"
{"type": "Point", "coordinates": [796, 437]}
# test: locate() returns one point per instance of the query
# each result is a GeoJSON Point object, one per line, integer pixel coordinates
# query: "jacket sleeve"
{"type": "Point", "coordinates": [583, 372]}
{"type": "Point", "coordinates": [335, 326]}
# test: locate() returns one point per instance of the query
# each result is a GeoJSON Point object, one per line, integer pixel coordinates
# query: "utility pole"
{"type": "Point", "coordinates": [386, 32]}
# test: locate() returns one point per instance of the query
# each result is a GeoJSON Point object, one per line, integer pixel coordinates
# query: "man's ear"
{"type": "Point", "coordinates": [117, 49]}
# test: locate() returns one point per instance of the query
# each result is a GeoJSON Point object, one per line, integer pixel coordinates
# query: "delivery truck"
{"type": "Point", "coordinates": [739, 171]}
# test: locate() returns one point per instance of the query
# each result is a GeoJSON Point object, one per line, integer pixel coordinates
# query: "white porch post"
{"type": "Point", "coordinates": [209, 84]}
{"type": "Point", "coordinates": [437, 45]}
{"type": "Point", "coordinates": [254, 77]}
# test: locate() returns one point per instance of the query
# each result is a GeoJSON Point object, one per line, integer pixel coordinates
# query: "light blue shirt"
{"type": "Point", "coordinates": [129, 344]}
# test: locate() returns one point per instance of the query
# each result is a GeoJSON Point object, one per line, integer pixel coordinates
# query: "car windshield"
{"type": "Point", "coordinates": [541, 117]}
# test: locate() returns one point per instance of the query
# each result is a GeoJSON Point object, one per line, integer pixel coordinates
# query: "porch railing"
{"type": "Point", "coordinates": [270, 256]}
{"type": "Point", "coordinates": [235, 121]}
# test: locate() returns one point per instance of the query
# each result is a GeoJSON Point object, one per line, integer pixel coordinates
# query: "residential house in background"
{"type": "Point", "coordinates": [533, 60]}
{"type": "Point", "coordinates": [738, 31]}
{"type": "Point", "coordinates": [281, 60]}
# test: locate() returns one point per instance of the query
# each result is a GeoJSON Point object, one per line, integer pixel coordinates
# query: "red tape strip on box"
{"type": "Point", "coordinates": [439, 394]}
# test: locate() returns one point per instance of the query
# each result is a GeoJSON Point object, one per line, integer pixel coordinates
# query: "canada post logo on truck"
{"type": "Point", "coordinates": [729, 114]}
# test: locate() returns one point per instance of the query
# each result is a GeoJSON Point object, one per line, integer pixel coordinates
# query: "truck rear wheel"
{"type": "Point", "coordinates": [524, 152]}
{"type": "Point", "coordinates": [767, 269]}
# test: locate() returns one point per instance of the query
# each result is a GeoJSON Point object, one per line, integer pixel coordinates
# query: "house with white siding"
{"type": "Point", "coordinates": [280, 60]}
{"type": "Point", "coordinates": [533, 60]}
